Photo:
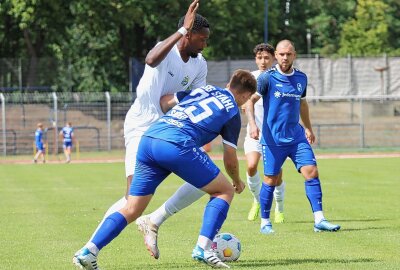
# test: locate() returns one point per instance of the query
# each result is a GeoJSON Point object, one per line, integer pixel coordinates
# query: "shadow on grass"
{"type": "Point", "coordinates": [340, 220]}
{"type": "Point", "coordinates": [287, 262]}
{"type": "Point", "coordinates": [254, 264]}
{"type": "Point", "coordinates": [364, 229]}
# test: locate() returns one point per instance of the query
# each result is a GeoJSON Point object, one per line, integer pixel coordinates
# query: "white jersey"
{"type": "Point", "coordinates": [258, 109]}
{"type": "Point", "coordinates": [170, 76]}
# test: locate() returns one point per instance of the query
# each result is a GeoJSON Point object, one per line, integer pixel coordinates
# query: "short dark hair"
{"type": "Point", "coordinates": [243, 81]}
{"type": "Point", "coordinates": [264, 47]}
{"type": "Point", "coordinates": [199, 23]}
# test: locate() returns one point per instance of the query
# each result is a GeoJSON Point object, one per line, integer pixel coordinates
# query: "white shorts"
{"type": "Point", "coordinates": [131, 148]}
{"type": "Point", "coordinates": [252, 145]}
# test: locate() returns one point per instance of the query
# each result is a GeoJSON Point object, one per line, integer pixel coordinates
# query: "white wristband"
{"type": "Point", "coordinates": [183, 31]}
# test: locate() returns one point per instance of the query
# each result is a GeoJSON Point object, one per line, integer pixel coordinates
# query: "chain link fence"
{"type": "Point", "coordinates": [97, 119]}
{"type": "Point", "coordinates": [354, 103]}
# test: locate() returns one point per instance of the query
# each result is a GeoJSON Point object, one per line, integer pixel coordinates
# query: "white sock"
{"type": "Point", "coordinates": [114, 208]}
{"type": "Point", "coordinates": [318, 216]}
{"type": "Point", "coordinates": [182, 198]}
{"type": "Point", "coordinates": [279, 194]}
{"type": "Point", "coordinates": [92, 248]}
{"type": "Point", "coordinates": [254, 183]}
{"type": "Point", "coordinates": [265, 221]}
{"type": "Point", "coordinates": [204, 242]}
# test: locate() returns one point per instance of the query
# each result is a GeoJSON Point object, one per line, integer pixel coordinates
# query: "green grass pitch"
{"type": "Point", "coordinates": [49, 211]}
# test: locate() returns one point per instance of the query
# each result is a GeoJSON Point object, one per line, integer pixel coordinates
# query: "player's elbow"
{"type": "Point", "coordinates": [151, 61]}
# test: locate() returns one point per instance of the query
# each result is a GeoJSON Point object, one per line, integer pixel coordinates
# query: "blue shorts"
{"type": "Point", "coordinates": [40, 147]}
{"type": "Point", "coordinates": [274, 156]}
{"type": "Point", "coordinates": [67, 144]}
{"type": "Point", "coordinates": [156, 159]}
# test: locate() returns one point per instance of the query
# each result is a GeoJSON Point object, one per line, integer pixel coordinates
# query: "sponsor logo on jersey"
{"type": "Point", "coordinates": [170, 73]}
{"type": "Point", "coordinates": [278, 85]}
{"type": "Point", "coordinates": [278, 94]}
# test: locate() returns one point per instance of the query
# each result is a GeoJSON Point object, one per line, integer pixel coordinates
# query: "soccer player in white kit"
{"type": "Point", "coordinates": [173, 65]}
{"type": "Point", "coordinates": [264, 55]}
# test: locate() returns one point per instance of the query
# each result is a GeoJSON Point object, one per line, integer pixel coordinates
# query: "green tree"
{"type": "Point", "coordinates": [366, 34]}
{"type": "Point", "coordinates": [36, 25]}
{"type": "Point", "coordinates": [325, 24]}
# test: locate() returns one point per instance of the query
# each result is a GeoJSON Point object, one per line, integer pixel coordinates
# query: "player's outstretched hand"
{"type": "Point", "coordinates": [239, 186]}
{"type": "Point", "coordinates": [190, 15]}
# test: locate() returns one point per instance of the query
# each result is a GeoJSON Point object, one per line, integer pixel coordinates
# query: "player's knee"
{"type": "Point", "coordinates": [226, 191]}
{"type": "Point", "coordinates": [272, 180]}
{"type": "Point", "coordinates": [251, 169]}
{"type": "Point", "coordinates": [310, 172]}
{"type": "Point", "coordinates": [230, 191]}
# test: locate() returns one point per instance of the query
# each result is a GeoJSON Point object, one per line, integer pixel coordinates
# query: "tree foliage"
{"type": "Point", "coordinates": [94, 40]}
{"type": "Point", "coordinates": [367, 33]}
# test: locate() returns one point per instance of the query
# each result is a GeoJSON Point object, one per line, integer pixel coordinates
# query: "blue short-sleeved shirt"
{"type": "Point", "coordinates": [67, 134]}
{"type": "Point", "coordinates": [281, 95]}
{"type": "Point", "coordinates": [38, 137]}
{"type": "Point", "coordinates": [200, 116]}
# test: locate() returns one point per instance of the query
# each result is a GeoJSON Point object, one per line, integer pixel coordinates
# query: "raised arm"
{"type": "Point", "coordinates": [305, 118]}
{"type": "Point", "coordinates": [249, 109]}
{"type": "Point", "coordinates": [158, 53]}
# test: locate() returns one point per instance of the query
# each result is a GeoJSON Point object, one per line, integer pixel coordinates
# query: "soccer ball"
{"type": "Point", "coordinates": [227, 247]}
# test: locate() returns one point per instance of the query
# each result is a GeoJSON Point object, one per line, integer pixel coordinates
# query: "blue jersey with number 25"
{"type": "Point", "coordinates": [199, 117]}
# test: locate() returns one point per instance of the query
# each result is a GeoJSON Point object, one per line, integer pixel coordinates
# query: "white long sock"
{"type": "Point", "coordinates": [204, 242]}
{"type": "Point", "coordinates": [265, 221]}
{"type": "Point", "coordinates": [279, 195]}
{"type": "Point", "coordinates": [318, 216]}
{"type": "Point", "coordinates": [254, 183]}
{"type": "Point", "coordinates": [92, 248]}
{"type": "Point", "coordinates": [114, 208]}
{"type": "Point", "coordinates": [182, 198]}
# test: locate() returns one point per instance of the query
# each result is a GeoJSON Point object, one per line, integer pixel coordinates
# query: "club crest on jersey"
{"type": "Point", "coordinates": [185, 81]}
{"type": "Point", "coordinates": [299, 87]}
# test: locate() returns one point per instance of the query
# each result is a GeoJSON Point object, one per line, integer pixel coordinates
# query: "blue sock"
{"type": "Point", "coordinates": [111, 228]}
{"type": "Point", "coordinates": [266, 197]}
{"type": "Point", "coordinates": [214, 216]}
{"type": "Point", "coordinates": [314, 193]}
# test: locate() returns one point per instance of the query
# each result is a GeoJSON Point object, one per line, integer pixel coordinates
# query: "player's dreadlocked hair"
{"type": "Point", "coordinates": [199, 23]}
{"type": "Point", "coordinates": [264, 47]}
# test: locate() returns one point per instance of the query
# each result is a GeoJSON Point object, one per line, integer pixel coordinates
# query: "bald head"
{"type": "Point", "coordinates": [286, 44]}
{"type": "Point", "coordinates": [285, 53]}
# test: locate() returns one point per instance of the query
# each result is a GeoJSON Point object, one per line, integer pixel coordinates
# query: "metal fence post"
{"type": "Point", "coordinates": [55, 123]}
{"type": "Point", "coordinates": [387, 81]}
{"type": "Point", "coordinates": [320, 76]}
{"type": "Point", "coordinates": [108, 100]}
{"type": "Point", "coordinates": [228, 68]}
{"type": "Point", "coordinates": [350, 81]}
{"type": "Point", "coordinates": [3, 116]}
{"type": "Point", "coordinates": [362, 135]}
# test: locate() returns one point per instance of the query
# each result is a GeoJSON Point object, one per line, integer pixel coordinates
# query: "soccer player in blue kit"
{"type": "Point", "coordinates": [172, 145]}
{"type": "Point", "coordinates": [39, 143]}
{"type": "Point", "coordinates": [67, 134]}
{"type": "Point", "coordinates": [283, 89]}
